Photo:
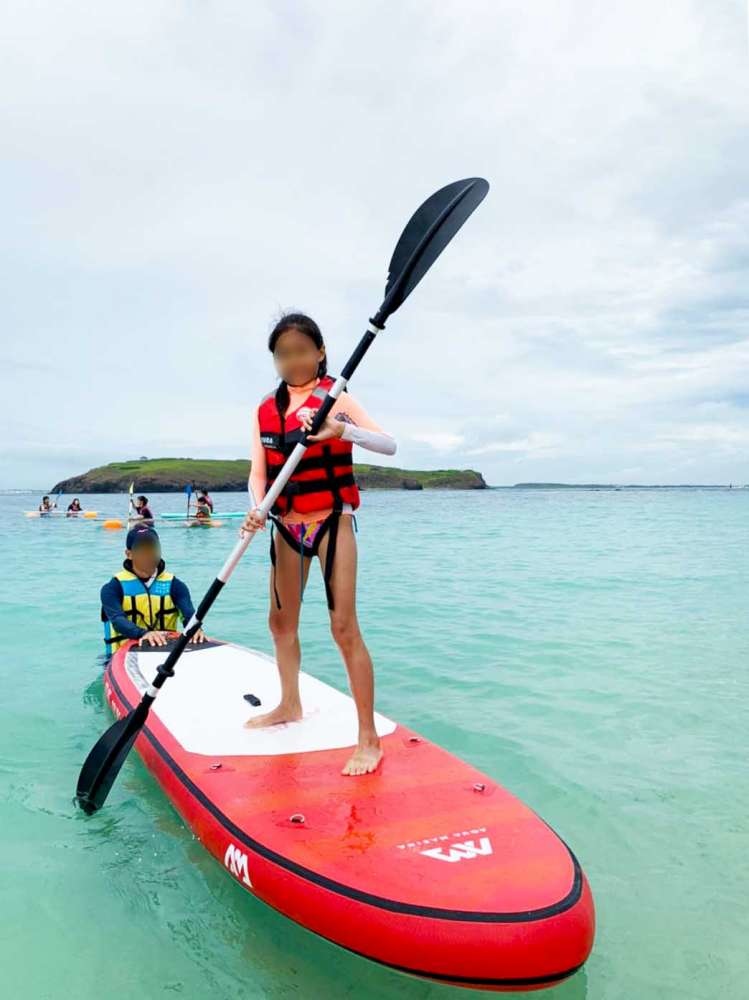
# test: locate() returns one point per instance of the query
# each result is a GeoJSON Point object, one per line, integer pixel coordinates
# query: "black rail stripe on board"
{"type": "Point", "coordinates": [382, 902]}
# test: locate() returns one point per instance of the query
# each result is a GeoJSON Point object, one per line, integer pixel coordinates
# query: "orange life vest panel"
{"type": "Point", "coordinates": [325, 475]}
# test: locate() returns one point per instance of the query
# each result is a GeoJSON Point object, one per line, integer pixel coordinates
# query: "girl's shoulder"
{"type": "Point", "coordinates": [346, 403]}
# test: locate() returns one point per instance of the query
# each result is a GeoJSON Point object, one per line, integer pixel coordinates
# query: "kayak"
{"type": "Point", "coordinates": [217, 521]}
{"type": "Point", "coordinates": [86, 514]}
{"type": "Point", "coordinates": [427, 866]}
{"type": "Point", "coordinates": [228, 514]}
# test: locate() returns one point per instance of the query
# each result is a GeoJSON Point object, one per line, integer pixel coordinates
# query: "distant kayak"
{"type": "Point", "coordinates": [88, 515]}
{"type": "Point", "coordinates": [427, 866]}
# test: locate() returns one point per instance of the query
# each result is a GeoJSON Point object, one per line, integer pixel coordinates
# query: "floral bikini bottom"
{"type": "Point", "coordinates": [305, 537]}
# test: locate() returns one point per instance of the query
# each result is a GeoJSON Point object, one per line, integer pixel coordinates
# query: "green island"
{"type": "Point", "coordinates": [171, 475]}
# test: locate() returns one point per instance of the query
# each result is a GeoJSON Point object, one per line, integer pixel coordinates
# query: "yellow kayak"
{"type": "Point", "coordinates": [86, 514]}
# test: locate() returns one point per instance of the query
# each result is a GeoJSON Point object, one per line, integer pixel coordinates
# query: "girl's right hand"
{"type": "Point", "coordinates": [255, 521]}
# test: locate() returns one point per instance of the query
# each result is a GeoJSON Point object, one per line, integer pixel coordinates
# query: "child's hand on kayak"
{"type": "Point", "coordinates": [255, 521]}
{"type": "Point", "coordinates": [199, 636]}
{"type": "Point", "coordinates": [154, 638]}
{"type": "Point", "coordinates": [331, 428]}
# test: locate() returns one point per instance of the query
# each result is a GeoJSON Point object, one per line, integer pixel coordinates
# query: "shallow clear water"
{"type": "Point", "coordinates": [587, 649]}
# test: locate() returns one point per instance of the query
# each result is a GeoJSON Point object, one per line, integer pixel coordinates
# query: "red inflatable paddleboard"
{"type": "Point", "coordinates": [426, 866]}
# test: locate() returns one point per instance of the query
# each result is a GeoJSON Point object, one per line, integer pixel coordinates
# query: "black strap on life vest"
{"type": "Point", "coordinates": [308, 464]}
{"type": "Point", "coordinates": [332, 480]}
{"type": "Point", "coordinates": [334, 520]}
{"type": "Point", "coordinates": [334, 483]}
{"type": "Point", "coordinates": [328, 484]}
{"type": "Point", "coordinates": [132, 612]}
{"type": "Point", "coordinates": [160, 614]}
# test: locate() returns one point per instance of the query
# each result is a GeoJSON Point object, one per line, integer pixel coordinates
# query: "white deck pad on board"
{"type": "Point", "coordinates": [203, 705]}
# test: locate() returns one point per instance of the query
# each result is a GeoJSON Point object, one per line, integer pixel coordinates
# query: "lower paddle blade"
{"type": "Point", "coordinates": [105, 760]}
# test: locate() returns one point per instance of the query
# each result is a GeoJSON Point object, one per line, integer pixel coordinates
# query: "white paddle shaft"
{"type": "Point", "coordinates": [273, 493]}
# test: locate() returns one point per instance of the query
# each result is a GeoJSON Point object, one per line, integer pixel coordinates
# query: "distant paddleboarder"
{"type": "Point", "coordinates": [313, 517]}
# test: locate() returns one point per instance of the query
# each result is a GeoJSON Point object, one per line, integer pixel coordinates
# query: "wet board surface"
{"type": "Point", "coordinates": [206, 713]}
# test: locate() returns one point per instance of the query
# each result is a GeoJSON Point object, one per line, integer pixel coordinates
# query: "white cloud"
{"type": "Point", "coordinates": [440, 441]}
{"type": "Point", "coordinates": [173, 175]}
{"type": "Point", "coordinates": [535, 442]}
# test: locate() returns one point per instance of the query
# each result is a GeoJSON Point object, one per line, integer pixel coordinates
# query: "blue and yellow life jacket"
{"type": "Point", "coordinates": [149, 607]}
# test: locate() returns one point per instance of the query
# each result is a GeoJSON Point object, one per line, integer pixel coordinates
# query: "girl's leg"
{"type": "Point", "coordinates": [284, 627]}
{"type": "Point", "coordinates": [345, 629]}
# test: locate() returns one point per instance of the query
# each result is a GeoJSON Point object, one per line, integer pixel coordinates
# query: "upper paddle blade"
{"type": "Point", "coordinates": [428, 232]}
{"type": "Point", "coordinates": [104, 761]}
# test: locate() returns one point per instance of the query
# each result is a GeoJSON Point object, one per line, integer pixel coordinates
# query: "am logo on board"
{"type": "Point", "coordinates": [460, 852]}
{"type": "Point", "coordinates": [236, 861]}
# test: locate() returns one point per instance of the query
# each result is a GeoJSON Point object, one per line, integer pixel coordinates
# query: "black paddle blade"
{"type": "Point", "coordinates": [428, 232]}
{"type": "Point", "coordinates": [103, 763]}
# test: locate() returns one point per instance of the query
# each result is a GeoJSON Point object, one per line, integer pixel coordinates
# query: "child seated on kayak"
{"type": "Point", "coordinates": [74, 507]}
{"type": "Point", "coordinates": [143, 601]}
{"type": "Point", "coordinates": [313, 517]}
{"type": "Point", "coordinates": [202, 509]}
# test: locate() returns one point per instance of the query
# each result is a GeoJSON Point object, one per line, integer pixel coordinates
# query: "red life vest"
{"type": "Point", "coordinates": [325, 475]}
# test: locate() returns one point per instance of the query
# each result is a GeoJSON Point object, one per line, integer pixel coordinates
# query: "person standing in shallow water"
{"type": "Point", "coordinates": [313, 517]}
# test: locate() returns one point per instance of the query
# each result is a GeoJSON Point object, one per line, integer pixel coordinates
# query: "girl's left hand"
{"type": "Point", "coordinates": [330, 429]}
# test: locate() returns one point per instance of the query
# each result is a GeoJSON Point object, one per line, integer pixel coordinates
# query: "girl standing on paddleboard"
{"type": "Point", "coordinates": [313, 517]}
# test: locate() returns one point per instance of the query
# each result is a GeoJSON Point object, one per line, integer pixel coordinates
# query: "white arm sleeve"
{"type": "Point", "coordinates": [377, 441]}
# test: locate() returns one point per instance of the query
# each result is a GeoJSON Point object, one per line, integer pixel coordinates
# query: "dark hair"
{"type": "Point", "coordinates": [303, 324]}
{"type": "Point", "coordinates": [143, 499]}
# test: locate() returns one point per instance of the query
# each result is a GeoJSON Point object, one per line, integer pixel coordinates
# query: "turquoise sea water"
{"type": "Point", "coordinates": [588, 649]}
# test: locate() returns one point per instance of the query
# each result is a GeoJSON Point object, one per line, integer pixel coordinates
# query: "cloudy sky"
{"type": "Point", "coordinates": [174, 174]}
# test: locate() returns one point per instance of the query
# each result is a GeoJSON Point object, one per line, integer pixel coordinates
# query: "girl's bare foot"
{"type": "Point", "coordinates": [365, 759]}
{"type": "Point", "coordinates": [284, 713]}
